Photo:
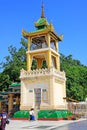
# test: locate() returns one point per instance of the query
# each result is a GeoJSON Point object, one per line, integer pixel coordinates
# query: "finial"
{"type": "Point", "coordinates": [42, 15]}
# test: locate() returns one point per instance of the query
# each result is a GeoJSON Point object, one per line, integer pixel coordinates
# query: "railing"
{"type": "Point", "coordinates": [78, 109]}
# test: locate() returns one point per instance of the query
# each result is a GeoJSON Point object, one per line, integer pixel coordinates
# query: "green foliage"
{"type": "Point", "coordinates": [76, 75]}
{"type": "Point", "coordinates": [13, 64]}
{"type": "Point", "coordinates": [34, 64]}
{"type": "Point", "coordinates": [44, 65]}
{"type": "Point", "coordinates": [4, 81]}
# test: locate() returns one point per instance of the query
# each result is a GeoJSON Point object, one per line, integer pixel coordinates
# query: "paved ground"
{"type": "Point", "coordinates": [36, 125]}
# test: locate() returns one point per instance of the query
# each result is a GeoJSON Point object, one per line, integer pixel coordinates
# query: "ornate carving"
{"type": "Point", "coordinates": [33, 74]}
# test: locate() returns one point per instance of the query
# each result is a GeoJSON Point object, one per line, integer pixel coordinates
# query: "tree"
{"type": "Point", "coordinates": [76, 75]}
{"type": "Point", "coordinates": [14, 63]}
{"type": "Point", "coordinates": [4, 82]}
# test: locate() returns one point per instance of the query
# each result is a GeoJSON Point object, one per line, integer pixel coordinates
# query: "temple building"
{"type": "Point", "coordinates": [43, 87]}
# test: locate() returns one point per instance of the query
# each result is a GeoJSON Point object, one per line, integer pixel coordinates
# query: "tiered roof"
{"type": "Point", "coordinates": [42, 27]}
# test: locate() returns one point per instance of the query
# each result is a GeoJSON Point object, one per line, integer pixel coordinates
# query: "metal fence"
{"type": "Point", "coordinates": [78, 109]}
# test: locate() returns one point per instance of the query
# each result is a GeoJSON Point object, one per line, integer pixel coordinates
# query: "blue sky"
{"type": "Point", "coordinates": [69, 18]}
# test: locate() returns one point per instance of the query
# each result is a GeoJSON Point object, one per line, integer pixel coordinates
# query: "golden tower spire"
{"type": "Point", "coordinates": [42, 15]}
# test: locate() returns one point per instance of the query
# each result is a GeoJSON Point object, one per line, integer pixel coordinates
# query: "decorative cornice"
{"type": "Point", "coordinates": [41, 73]}
{"type": "Point", "coordinates": [44, 31]}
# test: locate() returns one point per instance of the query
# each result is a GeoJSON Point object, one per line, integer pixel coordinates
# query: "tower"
{"type": "Point", "coordinates": [43, 87]}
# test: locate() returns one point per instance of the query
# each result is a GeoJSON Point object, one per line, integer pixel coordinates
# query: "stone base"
{"type": "Point", "coordinates": [52, 107]}
{"type": "Point", "coordinates": [25, 108]}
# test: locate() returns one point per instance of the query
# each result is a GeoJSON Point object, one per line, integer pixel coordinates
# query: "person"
{"type": "Point", "coordinates": [31, 112]}
{"type": "Point", "coordinates": [0, 120]}
{"type": "Point", "coordinates": [3, 117]}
